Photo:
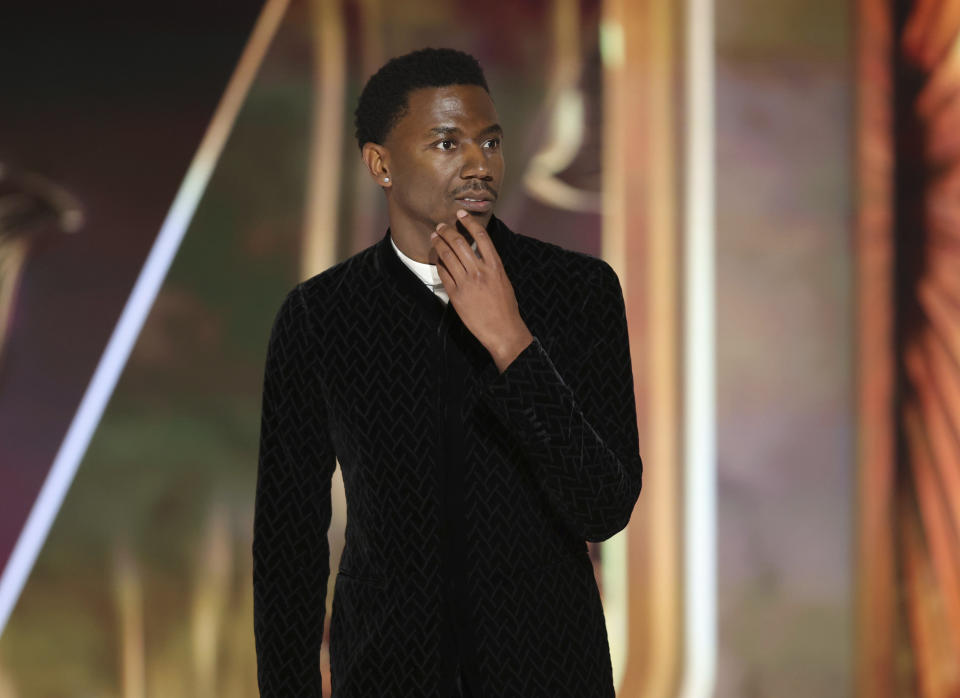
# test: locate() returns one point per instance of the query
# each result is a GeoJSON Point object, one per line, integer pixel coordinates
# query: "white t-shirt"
{"type": "Point", "coordinates": [427, 273]}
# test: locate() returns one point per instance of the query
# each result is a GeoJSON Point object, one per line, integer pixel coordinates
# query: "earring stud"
{"type": "Point", "coordinates": [386, 179]}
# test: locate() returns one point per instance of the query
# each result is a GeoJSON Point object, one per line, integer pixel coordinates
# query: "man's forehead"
{"type": "Point", "coordinates": [451, 106]}
{"type": "Point", "coordinates": [454, 130]}
{"type": "Point", "coordinates": [445, 101]}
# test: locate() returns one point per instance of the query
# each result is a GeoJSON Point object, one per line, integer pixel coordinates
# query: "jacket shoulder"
{"type": "Point", "coordinates": [338, 277]}
{"type": "Point", "coordinates": [341, 281]}
{"type": "Point", "coordinates": [580, 269]}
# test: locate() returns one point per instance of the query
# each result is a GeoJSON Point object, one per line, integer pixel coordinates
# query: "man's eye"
{"type": "Point", "coordinates": [447, 142]}
{"type": "Point", "coordinates": [494, 143]}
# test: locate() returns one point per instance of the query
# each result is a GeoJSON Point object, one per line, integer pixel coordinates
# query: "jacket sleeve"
{"type": "Point", "coordinates": [579, 435]}
{"type": "Point", "coordinates": [291, 563]}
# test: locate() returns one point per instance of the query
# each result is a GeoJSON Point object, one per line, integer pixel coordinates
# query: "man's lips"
{"type": "Point", "coordinates": [478, 206]}
{"type": "Point", "coordinates": [480, 202]}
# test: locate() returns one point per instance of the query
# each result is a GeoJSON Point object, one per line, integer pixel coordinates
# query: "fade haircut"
{"type": "Point", "coordinates": [383, 101]}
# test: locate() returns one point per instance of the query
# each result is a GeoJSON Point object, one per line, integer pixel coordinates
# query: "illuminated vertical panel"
{"type": "Point", "coordinates": [326, 142]}
{"type": "Point", "coordinates": [641, 240]}
{"type": "Point", "coordinates": [875, 428]}
{"type": "Point", "coordinates": [618, 561]}
{"type": "Point", "coordinates": [699, 373]}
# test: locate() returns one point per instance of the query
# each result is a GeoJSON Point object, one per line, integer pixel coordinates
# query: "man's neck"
{"type": "Point", "coordinates": [414, 240]}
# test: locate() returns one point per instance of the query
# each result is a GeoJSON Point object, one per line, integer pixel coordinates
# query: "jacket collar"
{"type": "Point", "coordinates": [410, 284]}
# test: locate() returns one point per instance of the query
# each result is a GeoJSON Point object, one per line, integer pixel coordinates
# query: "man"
{"type": "Point", "coordinates": [475, 386]}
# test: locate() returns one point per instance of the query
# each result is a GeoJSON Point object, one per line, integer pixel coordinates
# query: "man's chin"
{"type": "Point", "coordinates": [483, 218]}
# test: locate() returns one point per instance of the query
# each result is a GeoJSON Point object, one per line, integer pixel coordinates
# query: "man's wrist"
{"type": "Point", "coordinates": [509, 350]}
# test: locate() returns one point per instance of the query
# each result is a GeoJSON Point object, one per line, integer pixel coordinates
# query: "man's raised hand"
{"type": "Point", "coordinates": [480, 291]}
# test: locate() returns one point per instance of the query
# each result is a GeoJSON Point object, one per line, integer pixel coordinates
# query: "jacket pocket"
{"type": "Point", "coordinates": [379, 582]}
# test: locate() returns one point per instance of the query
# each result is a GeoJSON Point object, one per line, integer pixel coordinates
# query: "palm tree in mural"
{"type": "Point", "coordinates": [928, 307]}
{"type": "Point", "coordinates": [31, 208]}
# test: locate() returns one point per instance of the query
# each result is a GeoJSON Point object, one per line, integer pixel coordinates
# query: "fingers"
{"type": "Point", "coordinates": [453, 250]}
{"type": "Point", "coordinates": [484, 245]}
{"type": "Point", "coordinates": [448, 282]}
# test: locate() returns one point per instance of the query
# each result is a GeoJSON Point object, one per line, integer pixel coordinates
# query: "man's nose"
{"type": "Point", "coordinates": [475, 163]}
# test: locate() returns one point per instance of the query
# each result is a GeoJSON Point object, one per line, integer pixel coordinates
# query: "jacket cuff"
{"type": "Point", "coordinates": [531, 379]}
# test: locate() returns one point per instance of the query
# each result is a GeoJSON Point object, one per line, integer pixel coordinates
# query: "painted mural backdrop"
{"type": "Point", "coordinates": [837, 526]}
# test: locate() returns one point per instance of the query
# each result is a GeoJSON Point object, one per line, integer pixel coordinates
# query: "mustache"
{"type": "Point", "coordinates": [483, 189]}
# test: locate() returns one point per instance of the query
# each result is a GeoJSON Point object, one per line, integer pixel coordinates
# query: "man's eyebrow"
{"type": "Point", "coordinates": [453, 130]}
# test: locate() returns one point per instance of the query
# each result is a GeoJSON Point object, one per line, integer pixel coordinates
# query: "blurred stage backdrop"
{"type": "Point", "coordinates": [775, 182]}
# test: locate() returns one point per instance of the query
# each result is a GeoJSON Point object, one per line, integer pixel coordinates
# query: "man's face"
{"type": "Point", "coordinates": [444, 154]}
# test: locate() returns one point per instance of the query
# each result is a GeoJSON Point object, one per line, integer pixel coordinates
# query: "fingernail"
{"type": "Point", "coordinates": [461, 213]}
{"type": "Point", "coordinates": [433, 234]}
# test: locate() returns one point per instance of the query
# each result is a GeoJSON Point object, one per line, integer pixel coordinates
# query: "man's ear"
{"type": "Point", "coordinates": [376, 158]}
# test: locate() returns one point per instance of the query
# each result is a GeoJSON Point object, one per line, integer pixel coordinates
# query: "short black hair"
{"type": "Point", "coordinates": [383, 101]}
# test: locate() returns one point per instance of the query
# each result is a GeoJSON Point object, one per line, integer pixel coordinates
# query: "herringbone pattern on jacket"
{"type": "Point", "coordinates": [537, 460]}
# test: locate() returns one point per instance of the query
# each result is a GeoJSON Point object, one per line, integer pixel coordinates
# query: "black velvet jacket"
{"type": "Point", "coordinates": [470, 493]}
